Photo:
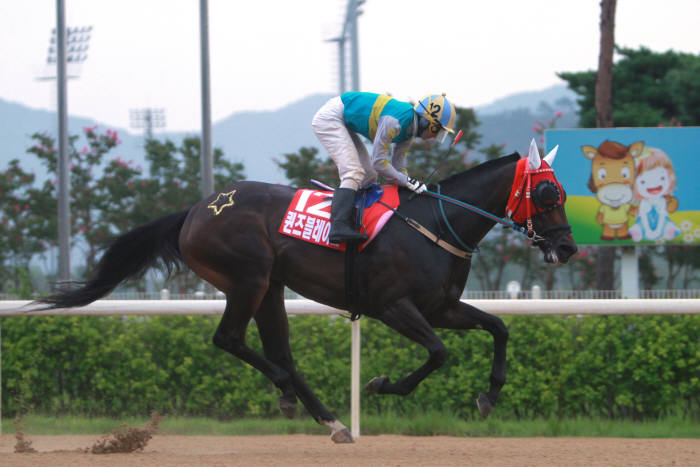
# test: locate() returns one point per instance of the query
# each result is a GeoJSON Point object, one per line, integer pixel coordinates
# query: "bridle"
{"type": "Point", "coordinates": [547, 195]}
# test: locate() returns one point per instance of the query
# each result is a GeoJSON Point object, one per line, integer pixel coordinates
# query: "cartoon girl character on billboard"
{"type": "Point", "coordinates": [653, 189]}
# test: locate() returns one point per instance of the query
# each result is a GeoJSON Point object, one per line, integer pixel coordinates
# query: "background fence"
{"type": "Point", "coordinates": [534, 293]}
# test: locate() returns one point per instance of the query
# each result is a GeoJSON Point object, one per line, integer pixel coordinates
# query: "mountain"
{"type": "Point", "coordinates": [18, 123]}
{"type": "Point", "coordinates": [529, 100]}
{"type": "Point", "coordinates": [258, 138]}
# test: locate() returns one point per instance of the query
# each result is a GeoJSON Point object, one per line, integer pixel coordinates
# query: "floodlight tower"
{"type": "Point", "coordinates": [148, 119]}
{"type": "Point", "coordinates": [349, 36]}
{"type": "Point", "coordinates": [351, 22]}
{"type": "Point", "coordinates": [341, 61]}
{"type": "Point", "coordinates": [76, 43]}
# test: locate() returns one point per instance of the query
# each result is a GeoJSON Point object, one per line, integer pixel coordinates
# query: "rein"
{"type": "Point", "coordinates": [504, 221]}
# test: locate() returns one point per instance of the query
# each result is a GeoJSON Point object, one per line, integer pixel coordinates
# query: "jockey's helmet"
{"type": "Point", "coordinates": [439, 113]}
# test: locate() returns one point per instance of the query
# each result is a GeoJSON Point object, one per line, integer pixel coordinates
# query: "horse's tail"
{"type": "Point", "coordinates": [128, 256]}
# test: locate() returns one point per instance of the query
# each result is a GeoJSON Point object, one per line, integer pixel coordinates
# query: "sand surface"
{"type": "Point", "coordinates": [384, 450]}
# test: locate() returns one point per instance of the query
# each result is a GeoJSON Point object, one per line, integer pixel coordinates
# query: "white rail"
{"type": "Point", "coordinates": [308, 307]}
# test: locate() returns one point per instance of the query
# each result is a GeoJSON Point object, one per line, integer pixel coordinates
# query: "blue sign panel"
{"type": "Point", "coordinates": [630, 185]}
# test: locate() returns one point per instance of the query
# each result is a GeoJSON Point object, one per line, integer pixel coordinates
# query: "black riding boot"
{"type": "Point", "coordinates": [342, 225]}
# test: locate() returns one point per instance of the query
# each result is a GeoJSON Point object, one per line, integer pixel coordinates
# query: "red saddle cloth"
{"type": "Point", "coordinates": [308, 216]}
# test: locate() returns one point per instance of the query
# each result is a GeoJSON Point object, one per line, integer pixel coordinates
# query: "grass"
{"type": "Point", "coordinates": [426, 424]}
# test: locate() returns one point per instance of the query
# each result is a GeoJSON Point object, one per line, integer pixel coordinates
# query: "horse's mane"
{"type": "Point", "coordinates": [478, 171]}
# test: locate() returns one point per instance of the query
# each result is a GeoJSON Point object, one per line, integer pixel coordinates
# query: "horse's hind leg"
{"type": "Point", "coordinates": [241, 303]}
{"type": "Point", "coordinates": [464, 316]}
{"type": "Point", "coordinates": [273, 327]}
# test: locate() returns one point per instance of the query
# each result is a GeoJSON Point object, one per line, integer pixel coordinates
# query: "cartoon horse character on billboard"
{"type": "Point", "coordinates": [653, 189]}
{"type": "Point", "coordinates": [612, 179]}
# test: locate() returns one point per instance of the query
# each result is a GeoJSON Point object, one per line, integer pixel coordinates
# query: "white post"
{"type": "Point", "coordinates": [0, 382]}
{"type": "Point", "coordinates": [165, 294]}
{"type": "Point", "coordinates": [536, 292]}
{"type": "Point", "coordinates": [630, 272]}
{"type": "Point", "coordinates": [513, 289]}
{"type": "Point", "coordinates": [355, 380]}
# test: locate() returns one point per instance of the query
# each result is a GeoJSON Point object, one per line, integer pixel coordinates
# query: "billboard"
{"type": "Point", "coordinates": [630, 186]}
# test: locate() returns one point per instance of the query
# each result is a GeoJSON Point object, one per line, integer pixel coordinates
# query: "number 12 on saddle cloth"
{"type": "Point", "coordinates": [308, 216]}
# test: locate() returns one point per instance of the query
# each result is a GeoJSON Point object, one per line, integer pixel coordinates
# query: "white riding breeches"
{"type": "Point", "coordinates": [343, 145]}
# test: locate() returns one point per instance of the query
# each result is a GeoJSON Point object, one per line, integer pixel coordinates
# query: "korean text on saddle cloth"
{"type": "Point", "coordinates": [308, 216]}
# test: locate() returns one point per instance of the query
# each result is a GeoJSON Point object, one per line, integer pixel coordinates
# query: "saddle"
{"type": "Point", "coordinates": [366, 196]}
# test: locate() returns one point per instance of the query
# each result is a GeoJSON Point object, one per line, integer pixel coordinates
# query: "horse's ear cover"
{"type": "Point", "coordinates": [533, 156]}
{"type": "Point", "coordinates": [549, 158]}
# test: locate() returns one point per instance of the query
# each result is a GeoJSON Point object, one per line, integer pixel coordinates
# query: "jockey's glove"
{"type": "Point", "coordinates": [417, 186]}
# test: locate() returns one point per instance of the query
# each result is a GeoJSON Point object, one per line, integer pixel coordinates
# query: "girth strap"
{"type": "Point", "coordinates": [437, 240]}
{"type": "Point", "coordinates": [431, 236]}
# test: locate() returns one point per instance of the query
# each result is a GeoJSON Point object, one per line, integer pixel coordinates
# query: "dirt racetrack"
{"type": "Point", "coordinates": [385, 450]}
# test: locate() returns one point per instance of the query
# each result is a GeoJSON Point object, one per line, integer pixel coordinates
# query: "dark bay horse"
{"type": "Point", "coordinates": [231, 240]}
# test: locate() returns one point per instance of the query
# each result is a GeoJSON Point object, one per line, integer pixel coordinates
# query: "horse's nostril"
{"type": "Point", "coordinates": [567, 250]}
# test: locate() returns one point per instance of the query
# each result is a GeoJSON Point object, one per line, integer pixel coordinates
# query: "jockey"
{"type": "Point", "coordinates": [383, 120]}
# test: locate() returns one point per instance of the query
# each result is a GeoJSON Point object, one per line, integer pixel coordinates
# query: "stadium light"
{"type": "Point", "coordinates": [148, 119]}
{"type": "Point", "coordinates": [77, 43]}
{"type": "Point", "coordinates": [349, 35]}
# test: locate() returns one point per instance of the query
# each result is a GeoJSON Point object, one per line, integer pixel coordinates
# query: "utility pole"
{"type": "Point", "coordinates": [68, 48]}
{"type": "Point", "coordinates": [605, 274]}
{"type": "Point", "coordinates": [63, 156]}
{"type": "Point", "coordinates": [206, 151]}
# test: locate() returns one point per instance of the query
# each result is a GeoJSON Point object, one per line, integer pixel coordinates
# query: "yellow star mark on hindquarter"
{"type": "Point", "coordinates": [222, 201]}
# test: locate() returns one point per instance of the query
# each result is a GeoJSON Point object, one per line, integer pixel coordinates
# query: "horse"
{"type": "Point", "coordinates": [406, 281]}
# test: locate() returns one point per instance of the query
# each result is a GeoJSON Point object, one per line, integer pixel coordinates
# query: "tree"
{"type": "Point", "coordinates": [175, 178]}
{"type": "Point", "coordinates": [87, 201]}
{"type": "Point", "coordinates": [605, 277]}
{"type": "Point", "coordinates": [604, 77]}
{"type": "Point", "coordinates": [20, 232]}
{"type": "Point", "coordinates": [301, 167]}
{"type": "Point", "coordinates": [648, 89]}
{"type": "Point", "coordinates": [107, 197]}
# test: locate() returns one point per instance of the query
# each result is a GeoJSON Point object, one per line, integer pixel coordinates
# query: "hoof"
{"type": "Point", "coordinates": [288, 408]}
{"type": "Point", "coordinates": [484, 405]}
{"type": "Point", "coordinates": [376, 384]}
{"type": "Point", "coordinates": [342, 436]}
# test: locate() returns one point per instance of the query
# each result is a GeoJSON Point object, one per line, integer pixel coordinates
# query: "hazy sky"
{"type": "Point", "coordinates": [268, 53]}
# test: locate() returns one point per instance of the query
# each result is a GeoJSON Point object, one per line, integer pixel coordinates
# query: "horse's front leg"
{"type": "Point", "coordinates": [464, 316]}
{"type": "Point", "coordinates": [405, 318]}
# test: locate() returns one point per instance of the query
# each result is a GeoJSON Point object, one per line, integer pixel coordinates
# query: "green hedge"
{"type": "Point", "coordinates": [610, 366]}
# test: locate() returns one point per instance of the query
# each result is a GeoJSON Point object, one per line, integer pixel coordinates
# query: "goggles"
{"type": "Point", "coordinates": [442, 134]}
